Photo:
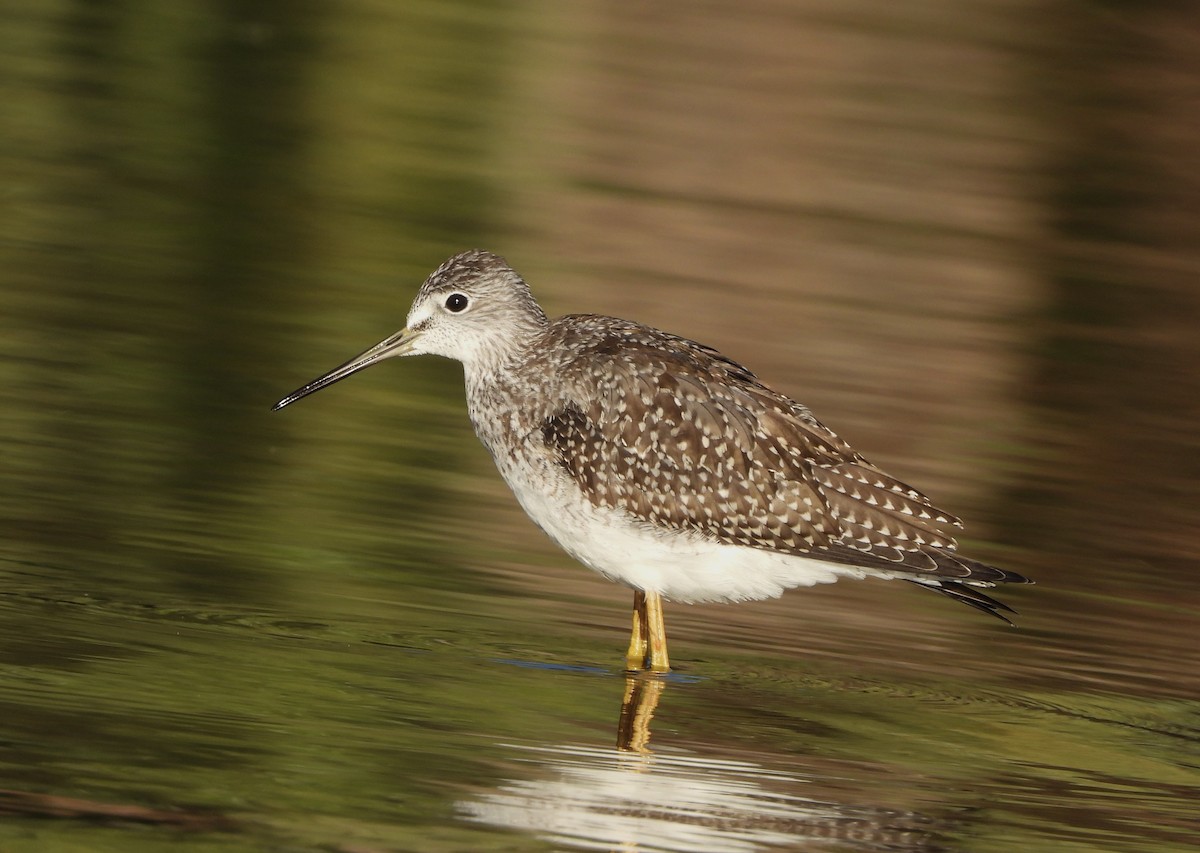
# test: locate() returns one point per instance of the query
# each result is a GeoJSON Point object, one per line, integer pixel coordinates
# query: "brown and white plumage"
{"type": "Point", "coordinates": [673, 433]}
{"type": "Point", "coordinates": [660, 463]}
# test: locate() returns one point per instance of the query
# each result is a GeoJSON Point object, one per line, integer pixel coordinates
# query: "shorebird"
{"type": "Point", "coordinates": [664, 465]}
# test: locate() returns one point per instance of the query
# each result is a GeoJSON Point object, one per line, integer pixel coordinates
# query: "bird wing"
{"type": "Point", "coordinates": [681, 437]}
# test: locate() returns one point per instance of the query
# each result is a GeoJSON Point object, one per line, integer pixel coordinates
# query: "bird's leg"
{"type": "Point", "coordinates": [656, 629]}
{"type": "Point", "coordinates": [635, 658]}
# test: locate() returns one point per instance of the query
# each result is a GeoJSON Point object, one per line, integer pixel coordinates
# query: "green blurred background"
{"type": "Point", "coordinates": [966, 234]}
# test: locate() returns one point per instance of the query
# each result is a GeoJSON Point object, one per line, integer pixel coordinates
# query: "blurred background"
{"type": "Point", "coordinates": [967, 235]}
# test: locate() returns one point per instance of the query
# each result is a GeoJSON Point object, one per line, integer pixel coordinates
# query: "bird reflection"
{"type": "Point", "coordinates": [679, 800]}
{"type": "Point", "coordinates": [642, 692]}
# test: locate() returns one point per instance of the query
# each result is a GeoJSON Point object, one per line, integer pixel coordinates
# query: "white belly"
{"type": "Point", "coordinates": [679, 566]}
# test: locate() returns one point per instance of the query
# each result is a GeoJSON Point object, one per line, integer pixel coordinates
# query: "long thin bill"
{"type": "Point", "coordinates": [400, 343]}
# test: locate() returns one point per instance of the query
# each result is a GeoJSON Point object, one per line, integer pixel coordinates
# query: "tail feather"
{"type": "Point", "coordinates": [969, 596]}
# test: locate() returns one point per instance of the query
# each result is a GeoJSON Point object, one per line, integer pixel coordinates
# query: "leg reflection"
{"type": "Point", "coordinates": [642, 693]}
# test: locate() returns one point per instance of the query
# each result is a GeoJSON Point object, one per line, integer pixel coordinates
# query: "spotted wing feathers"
{"type": "Point", "coordinates": [676, 434]}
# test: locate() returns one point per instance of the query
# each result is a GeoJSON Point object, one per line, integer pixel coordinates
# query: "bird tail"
{"type": "Point", "coordinates": [969, 595]}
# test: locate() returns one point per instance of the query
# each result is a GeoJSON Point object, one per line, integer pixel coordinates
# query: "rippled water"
{"type": "Point", "coordinates": [966, 237]}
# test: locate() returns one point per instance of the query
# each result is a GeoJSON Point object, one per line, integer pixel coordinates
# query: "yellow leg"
{"type": "Point", "coordinates": [635, 658]}
{"type": "Point", "coordinates": [656, 629]}
{"type": "Point", "coordinates": [648, 642]}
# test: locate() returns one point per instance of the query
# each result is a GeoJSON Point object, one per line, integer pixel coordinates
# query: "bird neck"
{"type": "Point", "coordinates": [501, 385]}
{"type": "Point", "coordinates": [504, 347]}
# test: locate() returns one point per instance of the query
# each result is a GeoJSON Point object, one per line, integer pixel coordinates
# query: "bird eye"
{"type": "Point", "coordinates": [457, 302]}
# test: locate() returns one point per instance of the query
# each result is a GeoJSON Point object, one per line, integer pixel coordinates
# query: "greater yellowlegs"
{"type": "Point", "coordinates": [662, 464]}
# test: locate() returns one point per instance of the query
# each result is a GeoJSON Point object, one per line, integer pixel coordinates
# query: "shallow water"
{"type": "Point", "coordinates": [959, 238]}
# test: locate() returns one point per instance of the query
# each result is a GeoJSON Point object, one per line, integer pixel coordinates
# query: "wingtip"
{"type": "Point", "coordinates": [971, 597]}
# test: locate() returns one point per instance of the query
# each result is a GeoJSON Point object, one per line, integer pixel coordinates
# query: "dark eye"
{"type": "Point", "coordinates": [457, 302]}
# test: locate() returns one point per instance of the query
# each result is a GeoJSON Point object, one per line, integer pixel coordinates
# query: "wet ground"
{"type": "Point", "coordinates": [968, 240]}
